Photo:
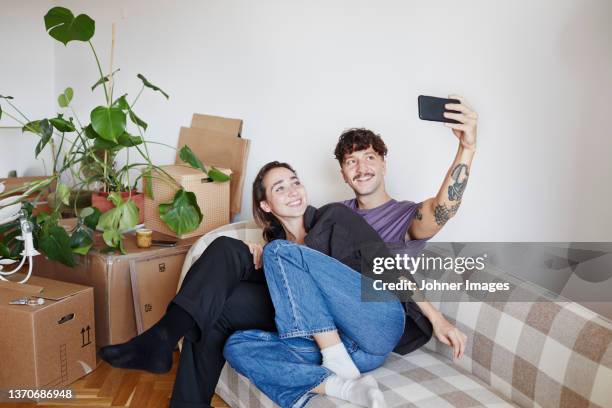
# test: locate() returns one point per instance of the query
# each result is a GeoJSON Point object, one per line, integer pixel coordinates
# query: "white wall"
{"type": "Point", "coordinates": [298, 73]}
{"type": "Point", "coordinates": [27, 71]}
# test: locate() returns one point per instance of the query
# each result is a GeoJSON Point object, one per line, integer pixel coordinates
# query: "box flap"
{"type": "Point", "coordinates": [227, 126]}
{"type": "Point", "coordinates": [26, 288]}
{"type": "Point", "coordinates": [42, 287]}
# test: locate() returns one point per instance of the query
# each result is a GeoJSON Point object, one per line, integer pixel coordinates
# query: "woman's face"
{"type": "Point", "coordinates": [285, 194]}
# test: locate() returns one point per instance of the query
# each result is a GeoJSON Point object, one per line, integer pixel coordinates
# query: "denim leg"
{"type": "Point", "coordinates": [313, 292]}
{"type": "Point", "coordinates": [284, 370]}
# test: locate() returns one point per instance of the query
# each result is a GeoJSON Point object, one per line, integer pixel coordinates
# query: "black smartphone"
{"type": "Point", "coordinates": [163, 243]}
{"type": "Point", "coordinates": [432, 108]}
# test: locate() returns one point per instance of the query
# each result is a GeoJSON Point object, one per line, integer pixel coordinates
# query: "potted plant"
{"type": "Point", "coordinates": [84, 155]}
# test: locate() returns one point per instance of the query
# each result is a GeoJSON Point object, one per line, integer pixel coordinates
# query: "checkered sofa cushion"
{"type": "Point", "coordinates": [544, 353]}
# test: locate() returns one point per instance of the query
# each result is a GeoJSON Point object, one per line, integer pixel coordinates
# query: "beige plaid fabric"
{"type": "Point", "coordinates": [544, 353]}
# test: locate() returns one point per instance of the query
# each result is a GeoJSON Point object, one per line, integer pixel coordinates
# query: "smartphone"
{"type": "Point", "coordinates": [432, 108]}
{"type": "Point", "coordinates": [162, 243]}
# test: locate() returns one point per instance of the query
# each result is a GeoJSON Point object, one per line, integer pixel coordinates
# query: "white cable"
{"type": "Point", "coordinates": [28, 249]}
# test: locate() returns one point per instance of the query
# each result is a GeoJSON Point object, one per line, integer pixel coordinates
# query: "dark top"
{"type": "Point", "coordinates": [339, 232]}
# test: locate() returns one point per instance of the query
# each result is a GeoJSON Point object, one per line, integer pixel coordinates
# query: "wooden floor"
{"type": "Point", "coordinates": [107, 386]}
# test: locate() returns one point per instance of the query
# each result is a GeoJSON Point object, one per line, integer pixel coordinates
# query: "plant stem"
{"type": "Point", "coordinates": [59, 150]}
{"type": "Point", "coordinates": [18, 111]}
{"type": "Point", "coordinates": [163, 144]}
{"type": "Point", "coordinates": [100, 70]}
{"type": "Point", "coordinates": [76, 117]}
{"type": "Point", "coordinates": [111, 80]}
{"type": "Point", "coordinates": [105, 158]}
{"type": "Point", "coordinates": [137, 96]}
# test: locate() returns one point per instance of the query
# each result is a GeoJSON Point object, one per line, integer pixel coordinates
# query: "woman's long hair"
{"type": "Point", "coordinates": [270, 224]}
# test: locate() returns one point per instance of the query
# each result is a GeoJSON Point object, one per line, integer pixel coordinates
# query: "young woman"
{"type": "Point", "coordinates": [326, 334]}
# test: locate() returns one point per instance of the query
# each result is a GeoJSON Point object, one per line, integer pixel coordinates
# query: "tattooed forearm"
{"type": "Point", "coordinates": [460, 175]}
{"type": "Point", "coordinates": [442, 213]}
{"type": "Point", "coordinates": [418, 214]}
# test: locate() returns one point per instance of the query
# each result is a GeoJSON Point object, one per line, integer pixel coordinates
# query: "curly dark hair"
{"type": "Point", "coordinates": [353, 140]}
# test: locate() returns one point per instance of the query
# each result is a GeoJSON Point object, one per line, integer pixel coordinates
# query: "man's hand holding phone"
{"type": "Point", "coordinates": [455, 113]}
{"type": "Point", "coordinates": [468, 118]}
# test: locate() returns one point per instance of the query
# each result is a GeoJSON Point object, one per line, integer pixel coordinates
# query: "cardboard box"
{"type": "Point", "coordinates": [109, 275]}
{"type": "Point", "coordinates": [154, 283]}
{"type": "Point", "coordinates": [50, 345]}
{"type": "Point", "coordinates": [219, 148]}
{"type": "Point", "coordinates": [213, 199]}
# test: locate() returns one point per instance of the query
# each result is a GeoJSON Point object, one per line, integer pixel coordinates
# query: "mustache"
{"type": "Point", "coordinates": [362, 175]}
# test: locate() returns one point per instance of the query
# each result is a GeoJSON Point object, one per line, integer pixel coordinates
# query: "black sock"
{"type": "Point", "coordinates": [152, 350]}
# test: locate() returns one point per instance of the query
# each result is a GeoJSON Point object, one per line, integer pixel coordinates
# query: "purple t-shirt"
{"type": "Point", "coordinates": [391, 220]}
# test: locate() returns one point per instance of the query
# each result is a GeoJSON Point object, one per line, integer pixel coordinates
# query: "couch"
{"type": "Point", "coordinates": [544, 353]}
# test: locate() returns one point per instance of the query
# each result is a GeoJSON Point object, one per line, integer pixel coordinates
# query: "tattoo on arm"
{"type": "Point", "coordinates": [418, 214]}
{"type": "Point", "coordinates": [460, 175]}
{"type": "Point", "coordinates": [442, 213]}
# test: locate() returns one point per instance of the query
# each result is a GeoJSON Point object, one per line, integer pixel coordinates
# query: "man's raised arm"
{"type": "Point", "coordinates": [434, 212]}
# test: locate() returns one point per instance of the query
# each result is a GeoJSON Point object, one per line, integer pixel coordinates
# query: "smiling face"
{"type": "Point", "coordinates": [364, 171]}
{"type": "Point", "coordinates": [285, 195]}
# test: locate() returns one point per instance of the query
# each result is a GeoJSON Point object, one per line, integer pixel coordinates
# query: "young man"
{"type": "Point", "coordinates": [361, 155]}
{"type": "Point", "coordinates": [224, 291]}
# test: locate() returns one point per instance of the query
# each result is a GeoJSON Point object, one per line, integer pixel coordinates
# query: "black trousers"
{"type": "Point", "coordinates": [223, 292]}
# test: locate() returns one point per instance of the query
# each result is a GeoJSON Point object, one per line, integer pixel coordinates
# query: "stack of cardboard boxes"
{"type": "Point", "coordinates": [126, 293]}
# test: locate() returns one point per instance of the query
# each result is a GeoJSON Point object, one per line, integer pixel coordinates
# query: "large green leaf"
{"type": "Point", "coordinates": [183, 214]}
{"type": "Point", "coordinates": [128, 140]}
{"type": "Point", "coordinates": [137, 121]}
{"type": "Point", "coordinates": [90, 216]}
{"type": "Point", "coordinates": [63, 100]}
{"type": "Point", "coordinates": [90, 133]}
{"type": "Point", "coordinates": [217, 175]}
{"type": "Point", "coordinates": [4, 251]}
{"type": "Point", "coordinates": [81, 241]}
{"type": "Point", "coordinates": [45, 130]}
{"type": "Point", "coordinates": [62, 195]}
{"type": "Point", "coordinates": [107, 122]}
{"type": "Point", "coordinates": [121, 103]}
{"type": "Point", "coordinates": [55, 243]}
{"type": "Point", "coordinates": [150, 85]}
{"type": "Point", "coordinates": [187, 155]}
{"type": "Point", "coordinates": [114, 239]}
{"type": "Point", "coordinates": [62, 124]}
{"type": "Point", "coordinates": [124, 216]}
{"type": "Point", "coordinates": [102, 144]}
{"type": "Point", "coordinates": [64, 27]}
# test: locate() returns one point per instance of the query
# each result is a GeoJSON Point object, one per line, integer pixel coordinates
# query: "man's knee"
{"type": "Point", "coordinates": [278, 247]}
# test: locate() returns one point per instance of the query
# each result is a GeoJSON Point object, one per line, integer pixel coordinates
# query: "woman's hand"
{"type": "Point", "coordinates": [256, 250]}
{"type": "Point", "coordinates": [465, 131]}
{"type": "Point", "coordinates": [449, 335]}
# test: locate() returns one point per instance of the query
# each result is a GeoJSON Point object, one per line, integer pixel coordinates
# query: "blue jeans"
{"type": "Point", "coordinates": [312, 293]}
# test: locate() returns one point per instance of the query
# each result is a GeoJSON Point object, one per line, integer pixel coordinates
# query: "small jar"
{"type": "Point", "coordinates": [144, 238]}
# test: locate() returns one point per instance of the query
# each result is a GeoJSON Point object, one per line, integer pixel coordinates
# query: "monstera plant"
{"type": "Point", "coordinates": [84, 153]}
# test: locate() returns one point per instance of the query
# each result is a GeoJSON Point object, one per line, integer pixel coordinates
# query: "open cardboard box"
{"type": "Point", "coordinates": [217, 142]}
{"type": "Point", "coordinates": [49, 345]}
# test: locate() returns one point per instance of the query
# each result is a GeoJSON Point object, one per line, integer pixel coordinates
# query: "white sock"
{"type": "Point", "coordinates": [338, 360]}
{"type": "Point", "coordinates": [363, 391]}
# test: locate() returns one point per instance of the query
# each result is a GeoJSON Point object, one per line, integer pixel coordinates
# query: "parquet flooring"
{"type": "Point", "coordinates": [107, 386]}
